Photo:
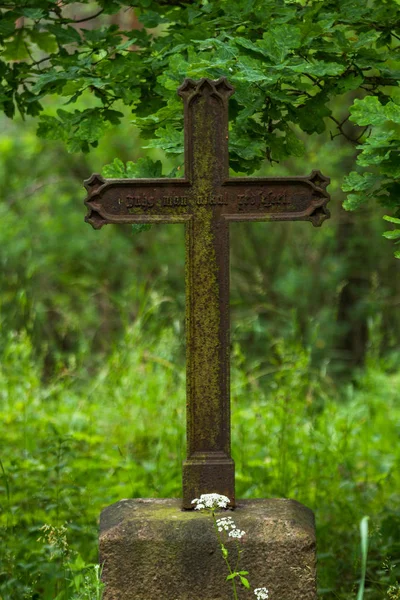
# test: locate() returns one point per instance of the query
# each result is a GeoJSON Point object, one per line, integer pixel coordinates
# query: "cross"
{"type": "Point", "coordinates": [206, 200]}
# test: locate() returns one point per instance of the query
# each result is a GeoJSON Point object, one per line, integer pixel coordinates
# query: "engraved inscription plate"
{"type": "Point", "coordinates": [121, 201]}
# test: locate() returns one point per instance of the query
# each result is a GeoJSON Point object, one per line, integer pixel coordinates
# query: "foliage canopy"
{"type": "Point", "coordinates": [287, 60]}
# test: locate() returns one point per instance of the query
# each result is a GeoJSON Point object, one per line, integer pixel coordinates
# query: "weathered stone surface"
{"type": "Point", "coordinates": [152, 550]}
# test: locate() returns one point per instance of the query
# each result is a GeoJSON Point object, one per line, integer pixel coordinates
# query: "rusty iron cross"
{"type": "Point", "coordinates": [207, 200]}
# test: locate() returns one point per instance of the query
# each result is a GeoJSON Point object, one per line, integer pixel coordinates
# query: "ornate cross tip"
{"type": "Point", "coordinates": [220, 87]}
{"type": "Point", "coordinates": [94, 182]}
{"type": "Point", "coordinates": [319, 215]}
{"type": "Point", "coordinates": [95, 219]}
{"type": "Point", "coordinates": [319, 180]}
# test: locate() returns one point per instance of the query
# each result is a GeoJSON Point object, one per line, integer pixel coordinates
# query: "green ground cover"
{"type": "Point", "coordinates": [82, 441]}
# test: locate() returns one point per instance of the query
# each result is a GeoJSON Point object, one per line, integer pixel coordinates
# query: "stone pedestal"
{"type": "Point", "coordinates": [152, 550]}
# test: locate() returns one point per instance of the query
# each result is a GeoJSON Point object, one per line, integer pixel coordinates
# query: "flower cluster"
{"type": "Point", "coordinates": [261, 593]}
{"type": "Point", "coordinates": [228, 524]}
{"type": "Point", "coordinates": [225, 524]}
{"type": "Point", "coordinates": [236, 533]}
{"type": "Point", "coordinates": [211, 501]}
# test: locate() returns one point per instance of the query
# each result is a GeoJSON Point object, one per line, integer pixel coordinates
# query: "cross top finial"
{"type": "Point", "coordinates": [191, 88]}
{"type": "Point", "coordinates": [206, 128]}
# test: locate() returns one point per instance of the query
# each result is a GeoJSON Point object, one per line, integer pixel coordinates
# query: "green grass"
{"type": "Point", "coordinates": [82, 440]}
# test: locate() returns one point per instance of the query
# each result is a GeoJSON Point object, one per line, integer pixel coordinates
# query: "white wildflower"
{"type": "Point", "coordinates": [261, 593]}
{"type": "Point", "coordinates": [211, 501]}
{"type": "Point", "coordinates": [225, 524]}
{"type": "Point", "coordinates": [236, 533]}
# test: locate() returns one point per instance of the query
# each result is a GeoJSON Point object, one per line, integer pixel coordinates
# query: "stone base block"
{"type": "Point", "coordinates": [152, 550]}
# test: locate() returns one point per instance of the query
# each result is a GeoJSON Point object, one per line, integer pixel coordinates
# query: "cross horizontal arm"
{"type": "Point", "coordinates": [161, 200]}
{"type": "Point", "coordinates": [277, 198]}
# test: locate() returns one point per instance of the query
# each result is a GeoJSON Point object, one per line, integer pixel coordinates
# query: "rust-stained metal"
{"type": "Point", "coordinates": [206, 200]}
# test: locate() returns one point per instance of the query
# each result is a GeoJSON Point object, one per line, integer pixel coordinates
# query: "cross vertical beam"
{"type": "Point", "coordinates": [209, 466]}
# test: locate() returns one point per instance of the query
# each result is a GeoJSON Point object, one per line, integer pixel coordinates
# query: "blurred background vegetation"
{"type": "Point", "coordinates": [74, 289]}
{"type": "Point", "coordinates": [92, 365]}
{"type": "Point", "coordinates": [92, 348]}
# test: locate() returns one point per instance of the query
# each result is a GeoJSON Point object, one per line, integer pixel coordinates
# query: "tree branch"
{"type": "Point", "coordinates": [90, 18]}
{"type": "Point", "coordinates": [38, 62]}
{"type": "Point", "coordinates": [342, 132]}
{"type": "Point", "coordinates": [314, 80]}
{"type": "Point", "coordinates": [64, 21]}
{"type": "Point", "coordinates": [381, 81]}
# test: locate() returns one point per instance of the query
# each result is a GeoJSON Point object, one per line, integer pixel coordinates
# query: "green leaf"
{"type": "Point", "coordinates": [348, 83]}
{"type": "Point", "coordinates": [310, 117]}
{"type": "Point", "coordinates": [364, 554]}
{"type": "Point", "coordinates": [115, 170]}
{"type": "Point", "coordinates": [65, 35]}
{"type": "Point", "coordinates": [318, 68]}
{"type": "Point", "coordinates": [33, 13]}
{"type": "Point", "coordinates": [392, 235]}
{"type": "Point", "coordinates": [51, 128]}
{"type": "Point", "coordinates": [372, 156]}
{"type": "Point", "coordinates": [368, 111]}
{"type": "Point", "coordinates": [392, 112]}
{"type": "Point", "coordinates": [249, 45]}
{"type": "Point", "coordinates": [148, 168]}
{"type": "Point", "coordinates": [245, 582]}
{"type": "Point", "coordinates": [7, 23]}
{"type": "Point", "coordinates": [232, 576]}
{"type": "Point", "coordinates": [51, 76]}
{"type": "Point", "coordinates": [359, 182]}
{"type": "Point", "coordinates": [354, 201]}
{"type": "Point", "coordinates": [294, 145]}
{"type": "Point", "coordinates": [280, 41]}
{"type": "Point", "coordinates": [392, 219]}
{"type": "Point", "coordinates": [151, 19]}
{"type": "Point", "coordinates": [168, 138]}
{"type": "Point", "coordinates": [246, 145]}
{"type": "Point", "coordinates": [45, 41]}
{"type": "Point", "coordinates": [249, 70]}
{"type": "Point", "coordinates": [276, 146]}
{"type": "Point", "coordinates": [144, 168]}
{"type": "Point", "coordinates": [391, 167]}
{"type": "Point", "coordinates": [113, 116]}
{"type": "Point", "coordinates": [366, 39]}
{"type": "Point", "coordinates": [90, 124]}
{"type": "Point", "coordinates": [16, 48]}
{"type": "Point", "coordinates": [224, 551]}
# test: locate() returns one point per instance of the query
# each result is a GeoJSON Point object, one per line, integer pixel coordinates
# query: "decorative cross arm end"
{"type": "Point", "coordinates": [320, 213]}
{"type": "Point", "coordinates": [319, 180]}
{"type": "Point", "coordinates": [93, 217]}
{"type": "Point", "coordinates": [93, 183]}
